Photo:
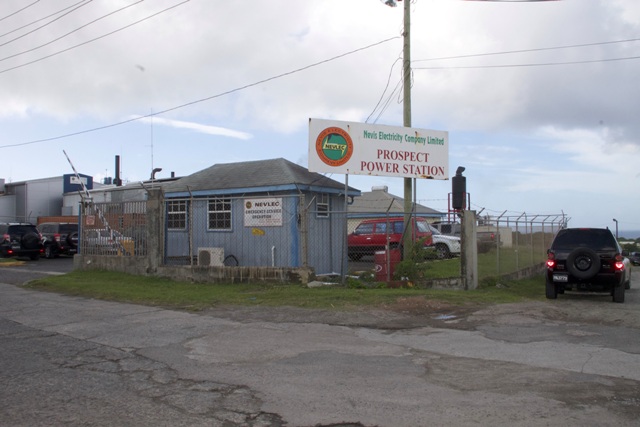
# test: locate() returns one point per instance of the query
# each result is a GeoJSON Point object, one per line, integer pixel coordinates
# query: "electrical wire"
{"type": "Point", "coordinates": [18, 11]}
{"type": "Point", "coordinates": [94, 39]}
{"type": "Point", "coordinates": [385, 89]}
{"type": "Point", "coordinates": [508, 52]}
{"type": "Point", "coordinates": [238, 89]}
{"type": "Point", "coordinates": [397, 92]}
{"type": "Point", "coordinates": [43, 18]}
{"type": "Point", "coordinates": [42, 26]}
{"type": "Point", "coordinates": [540, 64]}
{"type": "Point", "coordinates": [70, 32]}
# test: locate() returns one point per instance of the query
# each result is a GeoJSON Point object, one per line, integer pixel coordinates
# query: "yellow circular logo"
{"type": "Point", "coordinates": [334, 146]}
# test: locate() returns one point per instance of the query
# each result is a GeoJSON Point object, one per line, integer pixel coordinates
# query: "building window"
{"type": "Point", "coordinates": [220, 214]}
{"type": "Point", "coordinates": [322, 206]}
{"type": "Point", "coordinates": [177, 214]}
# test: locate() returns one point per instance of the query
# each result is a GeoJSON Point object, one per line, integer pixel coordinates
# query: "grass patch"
{"type": "Point", "coordinates": [167, 293]}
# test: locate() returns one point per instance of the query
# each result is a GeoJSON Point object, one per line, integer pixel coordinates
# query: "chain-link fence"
{"type": "Point", "coordinates": [520, 241]}
{"type": "Point", "coordinates": [505, 243]}
{"type": "Point", "coordinates": [114, 229]}
{"type": "Point", "coordinates": [326, 249]}
{"type": "Point", "coordinates": [296, 231]}
{"type": "Point", "coordinates": [374, 234]}
{"type": "Point", "coordinates": [282, 231]}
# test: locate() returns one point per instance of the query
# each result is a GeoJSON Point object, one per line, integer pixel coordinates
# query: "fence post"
{"type": "Point", "coordinates": [155, 230]}
{"type": "Point", "coordinates": [469, 253]}
{"type": "Point", "coordinates": [304, 235]}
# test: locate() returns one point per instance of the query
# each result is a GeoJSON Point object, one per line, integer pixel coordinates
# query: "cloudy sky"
{"type": "Point", "coordinates": [541, 99]}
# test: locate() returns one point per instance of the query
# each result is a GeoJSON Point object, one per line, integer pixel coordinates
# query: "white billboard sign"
{"type": "Point", "coordinates": [364, 149]}
{"type": "Point", "coordinates": [263, 212]}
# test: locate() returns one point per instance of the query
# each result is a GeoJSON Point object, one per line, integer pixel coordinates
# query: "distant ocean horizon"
{"type": "Point", "coordinates": [628, 234]}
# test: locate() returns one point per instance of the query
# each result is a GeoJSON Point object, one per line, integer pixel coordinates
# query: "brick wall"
{"type": "Point", "coordinates": [70, 218]}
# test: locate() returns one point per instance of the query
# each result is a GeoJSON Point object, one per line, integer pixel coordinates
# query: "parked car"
{"type": "Point", "coordinates": [486, 235]}
{"type": "Point", "coordinates": [634, 257]}
{"type": "Point", "coordinates": [20, 239]}
{"type": "Point", "coordinates": [59, 238]}
{"type": "Point", "coordinates": [373, 235]}
{"type": "Point", "coordinates": [104, 242]}
{"type": "Point", "coordinates": [446, 246]}
{"type": "Point", "coordinates": [587, 259]}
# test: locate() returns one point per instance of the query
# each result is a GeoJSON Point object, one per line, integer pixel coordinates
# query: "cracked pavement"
{"type": "Point", "coordinates": [75, 361]}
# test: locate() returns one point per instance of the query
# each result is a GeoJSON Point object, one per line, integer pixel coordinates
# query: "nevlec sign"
{"type": "Point", "coordinates": [365, 149]}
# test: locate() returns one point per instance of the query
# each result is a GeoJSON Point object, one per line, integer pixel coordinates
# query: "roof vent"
{"type": "Point", "coordinates": [380, 188]}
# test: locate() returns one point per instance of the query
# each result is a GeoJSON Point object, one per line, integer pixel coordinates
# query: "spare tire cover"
{"type": "Point", "coordinates": [583, 263]}
{"type": "Point", "coordinates": [72, 239]}
{"type": "Point", "coordinates": [30, 241]}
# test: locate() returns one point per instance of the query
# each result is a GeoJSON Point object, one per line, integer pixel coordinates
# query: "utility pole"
{"type": "Point", "coordinates": [406, 118]}
{"type": "Point", "coordinates": [406, 108]}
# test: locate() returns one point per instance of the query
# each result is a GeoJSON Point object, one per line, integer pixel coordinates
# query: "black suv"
{"type": "Point", "coordinates": [20, 239]}
{"type": "Point", "coordinates": [587, 259]}
{"type": "Point", "coordinates": [59, 238]}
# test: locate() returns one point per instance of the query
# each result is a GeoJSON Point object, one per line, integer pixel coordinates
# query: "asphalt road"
{"type": "Point", "coordinates": [75, 361]}
{"type": "Point", "coordinates": [29, 270]}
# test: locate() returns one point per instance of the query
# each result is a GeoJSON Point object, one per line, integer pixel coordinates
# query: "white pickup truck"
{"type": "Point", "coordinates": [446, 246]}
{"type": "Point", "coordinates": [486, 234]}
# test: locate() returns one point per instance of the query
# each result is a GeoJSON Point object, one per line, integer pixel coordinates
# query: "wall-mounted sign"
{"type": "Point", "coordinates": [263, 212]}
{"type": "Point", "coordinates": [364, 149]}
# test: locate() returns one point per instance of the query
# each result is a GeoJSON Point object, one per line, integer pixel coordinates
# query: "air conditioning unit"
{"type": "Point", "coordinates": [211, 257]}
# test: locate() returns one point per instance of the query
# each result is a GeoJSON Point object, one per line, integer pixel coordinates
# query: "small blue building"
{"type": "Point", "coordinates": [271, 213]}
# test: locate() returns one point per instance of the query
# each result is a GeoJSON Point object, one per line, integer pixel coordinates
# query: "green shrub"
{"type": "Point", "coordinates": [413, 267]}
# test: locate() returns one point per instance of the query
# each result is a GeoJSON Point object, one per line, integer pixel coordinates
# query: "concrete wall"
{"type": "Point", "coordinates": [140, 266]}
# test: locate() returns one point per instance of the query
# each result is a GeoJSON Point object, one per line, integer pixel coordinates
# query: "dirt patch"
{"type": "Point", "coordinates": [418, 311]}
{"type": "Point", "coordinates": [590, 309]}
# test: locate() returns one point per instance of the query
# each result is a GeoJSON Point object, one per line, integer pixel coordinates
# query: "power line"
{"type": "Point", "coordinates": [383, 93]}
{"type": "Point", "coordinates": [94, 39]}
{"type": "Point", "coordinates": [288, 73]}
{"type": "Point", "coordinates": [70, 32]}
{"type": "Point", "coordinates": [541, 64]}
{"type": "Point", "coordinates": [42, 19]}
{"type": "Point", "coordinates": [508, 52]}
{"type": "Point", "coordinates": [42, 26]}
{"type": "Point", "coordinates": [397, 90]}
{"type": "Point", "coordinates": [18, 11]}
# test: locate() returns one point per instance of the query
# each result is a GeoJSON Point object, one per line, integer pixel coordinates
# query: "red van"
{"type": "Point", "coordinates": [372, 235]}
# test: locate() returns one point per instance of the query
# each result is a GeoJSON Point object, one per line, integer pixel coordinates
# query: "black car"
{"type": "Point", "coordinates": [20, 239]}
{"type": "Point", "coordinates": [587, 259]}
{"type": "Point", "coordinates": [59, 238]}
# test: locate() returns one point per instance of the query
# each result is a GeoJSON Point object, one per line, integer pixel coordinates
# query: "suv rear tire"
{"type": "Point", "coordinates": [618, 294]}
{"type": "Point", "coordinates": [551, 290]}
{"type": "Point", "coordinates": [48, 252]}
